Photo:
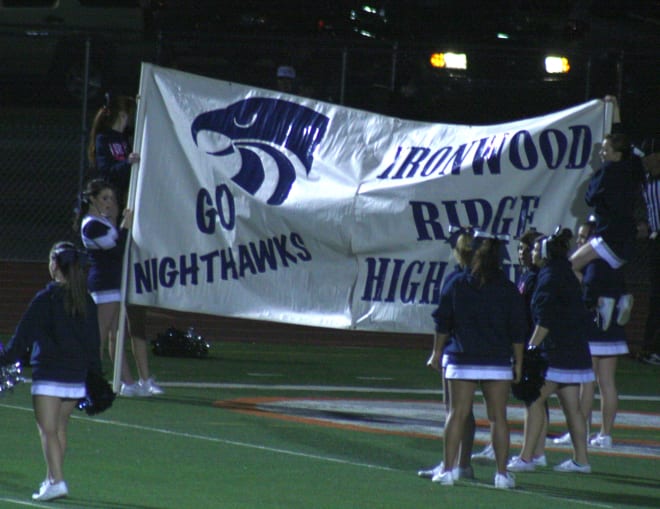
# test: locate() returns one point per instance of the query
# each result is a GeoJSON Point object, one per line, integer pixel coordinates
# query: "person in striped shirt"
{"type": "Point", "coordinates": [650, 229]}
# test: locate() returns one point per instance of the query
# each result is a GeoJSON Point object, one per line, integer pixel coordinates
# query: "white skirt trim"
{"type": "Point", "coordinates": [608, 348]}
{"type": "Point", "coordinates": [59, 389]}
{"type": "Point", "coordinates": [105, 296]}
{"type": "Point", "coordinates": [606, 253]}
{"type": "Point", "coordinates": [570, 376]}
{"type": "Point", "coordinates": [477, 372]}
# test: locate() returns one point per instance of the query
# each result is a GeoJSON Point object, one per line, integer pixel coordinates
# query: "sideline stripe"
{"type": "Point", "coordinates": [343, 388]}
{"type": "Point", "coordinates": [348, 388]}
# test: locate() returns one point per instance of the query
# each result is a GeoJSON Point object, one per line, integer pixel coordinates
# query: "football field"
{"type": "Point", "coordinates": [299, 426]}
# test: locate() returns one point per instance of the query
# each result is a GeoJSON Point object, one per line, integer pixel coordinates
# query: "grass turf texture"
{"type": "Point", "coordinates": [181, 451]}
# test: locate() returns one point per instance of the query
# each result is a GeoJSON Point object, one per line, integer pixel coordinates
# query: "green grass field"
{"type": "Point", "coordinates": [297, 426]}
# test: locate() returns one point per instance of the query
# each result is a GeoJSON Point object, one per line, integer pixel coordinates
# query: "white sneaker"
{"type": "Point", "coordinates": [604, 441]}
{"type": "Point", "coordinates": [444, 478]}
{"type": "Point", "coordinates": [129, 390]}
{"type": "Point", "coordinates": [571, 466]}
{"type": "Point", "coordinates": [652, 358]}
{"type": "Point", "coordinates": [505, 481]}
{"type": "Point", "coordinates": [456, 472]}
{"type": "Point", "coordinates": [540, 461]}
{"type": "Point", "coordinates": [623, 309]}
{"type": "Point", "coordinates": [48, 491]}
{"type": "Point", "coordinates": [564, 439]}
{"type": "Point", "coordinates": [148, 387]}
{"type": "Point", "coordinates": [605, 311]}
{"type": "Point", "coordinates": [487, 454]}
{"type": "Point", "coordinates": [517, 464]}
{"type": "Point", "coordinates": [431, 472]}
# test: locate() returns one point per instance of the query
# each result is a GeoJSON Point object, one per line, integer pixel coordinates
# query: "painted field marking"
{"type": "Point", "coordinates": [425, 419]}
{"type": "Point", "coordinates": [26, 503]}
{"type": "Point", "coordinates": [235, 443]}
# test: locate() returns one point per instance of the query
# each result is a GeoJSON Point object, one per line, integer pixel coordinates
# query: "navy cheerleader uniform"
{"type": "Point", "coordinates": [105, 247]}
{"type": "Point", "coordinates": [64, 348]}
{"type": "Point", "coordinates": [484, 322]}
{"type": "Point", "coordinates": [458, 270]}
{"type": "Point", "coordinates": [601, 280]}
{"type": "Point", "coordinates": [612, 193]}
{"type": "Point", "coordinates": [557, 306]}
{"type": "Point", "coordinates": [526, 284]}
{"type": "Point", "coordinates": [112, 151]}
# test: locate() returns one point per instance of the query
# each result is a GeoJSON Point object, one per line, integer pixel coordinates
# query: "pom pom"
{"type": "Point", "coordinates": [99, 394]}
{"type": "Point", "coordinates": [534, 368]}
{"type": "Point", "coordinates": [10, 376]}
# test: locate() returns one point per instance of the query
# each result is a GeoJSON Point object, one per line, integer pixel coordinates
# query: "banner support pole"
{"type": "Point", "coordinates": [132, 191]}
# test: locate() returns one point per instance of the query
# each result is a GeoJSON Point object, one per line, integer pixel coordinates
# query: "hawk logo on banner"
{"type": "Point", "coordinates": [274, 137]}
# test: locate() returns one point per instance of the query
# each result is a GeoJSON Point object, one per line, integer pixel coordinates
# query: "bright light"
{"type": "Point", "coordinates": [449, 60]}
{"type": "Point", "coordinates": [502, 35]}
{"type": "Point", "coordinates": [557, 65]}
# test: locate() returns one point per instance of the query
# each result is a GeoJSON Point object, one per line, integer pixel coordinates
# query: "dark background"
{"type": "Point", "coordinates": [375, 59]}
{"type": "Point", "coordinates": [60, 59]}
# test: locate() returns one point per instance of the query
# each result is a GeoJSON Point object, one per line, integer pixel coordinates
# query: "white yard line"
{"type": "Point", "coordinates": [347, 388]}
{"type": "Point", "coordinates": [25, 503]}
{"type": "Point", "coordinates": [276, 450]}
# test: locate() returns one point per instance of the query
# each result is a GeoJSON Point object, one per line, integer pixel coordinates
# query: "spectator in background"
{"type": "Point", "coordinates": [650, 229]}
{"type": "Point", "coordinates": [109, 150]}
{"type": "Point", "coordinates": [483, 313]}
{"type": "Point", "coordinates": [61, 326]}
{"type": "Point", "coordinates": [286, 79]}
{"type": "Point", "coordinates": [561, 325]}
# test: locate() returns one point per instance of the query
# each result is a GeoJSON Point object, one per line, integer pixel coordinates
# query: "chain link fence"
{"type": "Point", "coordinates": [45, 117]}
{"type": "Point", "coordinates": [47, 111]}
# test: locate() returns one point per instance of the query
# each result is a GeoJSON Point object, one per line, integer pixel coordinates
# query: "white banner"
{"type": "Point", "coordinates": [255, 204]}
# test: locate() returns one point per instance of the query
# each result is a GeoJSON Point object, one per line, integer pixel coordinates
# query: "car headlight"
{"type": "Point", "coordinates": [448, 60]}
{"type": "Point", "coordinates": [557, 65]}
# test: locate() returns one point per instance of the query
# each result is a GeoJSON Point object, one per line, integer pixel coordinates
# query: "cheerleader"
{"type": "Point", "coordinates": [606, 345]}
{"type": "Point", "coordinates": [462, 240]}
{"type": "Point", "coordinates": [61, 326]}
{"type": "Point", "coordinates": [526, 281]}
{"type": "Point", "coordinates": [560, 331]}
{"type": "Point", "coordinates": [484, 314]}
{"type": "Point", "coordinates": [105, 244]}
{"type": "Point", "coordinates": [109, 150]}
{"type": "Point", "coordinates": [612, 193]}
